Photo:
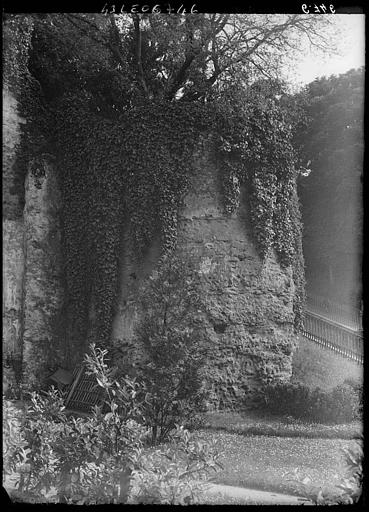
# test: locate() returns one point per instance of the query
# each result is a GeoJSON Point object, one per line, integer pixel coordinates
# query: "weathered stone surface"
{"type": "Point", "coordinates": [12, 191]}
{"type": "Point", "coordinates": [13, 266]}
{"type": "Point", "coordinates": [13, 231]}
{"type": "Point", "coordinates": [248, 305]}
{"type": "Point", "coordinates": [43, 272]}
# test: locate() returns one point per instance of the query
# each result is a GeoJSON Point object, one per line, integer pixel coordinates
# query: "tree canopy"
{"type": "Point", "coordinates": [127, 58]}
{"type": "Point", "coordinates": [332, 194]}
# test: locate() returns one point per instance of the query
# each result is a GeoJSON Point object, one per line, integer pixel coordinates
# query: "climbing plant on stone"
{"type": "Point", "coordinates": [257, 149]}
{"type": "Point", "coordinates": [92, 179]}
{"type": "Point", "coordinates": [125, 148]}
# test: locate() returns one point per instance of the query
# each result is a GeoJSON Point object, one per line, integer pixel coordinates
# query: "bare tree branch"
{"type": "Point", "coordinates": [73, 20]}
{"type": "Point", "coordinates": [184, 50]}
{"type": "Point", "coordinates": [114, 46]}
{"type": "Point", "coordinates": [136, 22]}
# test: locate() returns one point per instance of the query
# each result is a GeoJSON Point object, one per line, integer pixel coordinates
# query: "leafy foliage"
{"type": "Point", "coordinates": [171, 349]}
{"type": "Point", "coordinates": [174, 473]}
{"type": "Point", "coordinates": [339, 405]}
{"type": "Point", "coordinates": [92, 460]}
{"type": "Point", "coordinates": [350, 489]}
{"type": "Point", "coordinates": [92, 189]}
{"type": "Point", "coordinates": [332, 140]}
{"type": "Point", "coordinates": [352, 484]}
{"type": "Point", "coordinates": [84, 459]}
{"type": "Point", "coordinates": [123, 108]}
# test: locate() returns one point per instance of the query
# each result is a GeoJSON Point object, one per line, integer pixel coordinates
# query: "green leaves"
{"type": "Point", "coordinates": [174, 472]}
{"type": "Point", "coordinates": [254, 141]}
{"type": "Point", "coordinates": [171, 347]}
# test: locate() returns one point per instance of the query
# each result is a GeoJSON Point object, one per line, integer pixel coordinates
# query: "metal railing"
{"type": "Point", "coordinates": [344, 341]}
{"type": "Point", "coordinates": [350, 317]}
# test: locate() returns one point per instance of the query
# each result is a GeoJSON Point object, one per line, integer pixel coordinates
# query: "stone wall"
{"type": "Point", "coordinates": [248, 305]}
{"type": "Point", "coordinates": [13, 230]}
{"type": "Point", "coordinates": [43, 289]}
{"type": "Point", "coordinates": [13, 272]}
{"type": "Point", "coordinates": [315, 365]}
{"type": "Point", "coordinates": [32, 267]}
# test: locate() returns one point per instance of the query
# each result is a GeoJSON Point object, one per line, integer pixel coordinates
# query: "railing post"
{"type": "Point", "coordinates": [340, 339]}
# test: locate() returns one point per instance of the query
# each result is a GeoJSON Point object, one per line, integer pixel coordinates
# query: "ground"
{"type": "Point", "coordinates": [266, 460]}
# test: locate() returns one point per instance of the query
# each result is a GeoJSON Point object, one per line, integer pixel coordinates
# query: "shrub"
{"type": "Point", "coordinates": [172, 474]}
{"type": "Point", "coordinates": [357, 389]}
{"type": "Point", "coordinates": [91, 460]}
{"type": "Point", "coordinates": [88, 459]}
{"type": "Point", "coordinates": [173, 349]}
{"type": "Point", "coordinates": [339, 405]}
{"type": "Point", "coordinates": [350, 488]}
{"type": "Point", "coordinates": [352, 484]}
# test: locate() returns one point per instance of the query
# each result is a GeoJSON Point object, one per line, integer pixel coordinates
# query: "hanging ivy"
{"type": "Point", "coordinates": [131, 172]}
{"type": "Point", "coordinates": [256, 147]}
{"type": "Point", "coordinates": [134, 171]}
{"type": "Point", "coordinates": [159, 143]}
{"type": "Point", "coordinates": [131, 168]}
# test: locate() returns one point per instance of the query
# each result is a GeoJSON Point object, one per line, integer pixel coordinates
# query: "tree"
{"type": "Point", "coordinates": [170, 347]}
{"type": "Point", "coordinates": [331, 195]}
{"type": "Point", "coordinates": [187, 57]}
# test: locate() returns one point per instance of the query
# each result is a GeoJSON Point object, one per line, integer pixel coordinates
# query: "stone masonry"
{"type": "Point", "coordinates": [248, 304]}
{"type": "Point", "coordinates": [32, 266]}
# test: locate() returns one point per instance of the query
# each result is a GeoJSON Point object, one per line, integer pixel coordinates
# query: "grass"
{"type": "Point", "coordinates": [262, 424]}
{"type": "Point", "coordinates": [221, 499]}
{"type": "Point", "coordinates": [268, 463]}
{"type": "Point", "coordinates": [263, 452]}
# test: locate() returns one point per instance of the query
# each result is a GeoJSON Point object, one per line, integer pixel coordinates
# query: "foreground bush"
{"type": "Point", "coordinates": [339, 405]}
{"type": "Point", "coordinates": [93, 460]}
{"type": "Point", "coordinates": [348, 492]}
{"type": "Point", "coordinates": [175, 473]}
{"type": "Point", "coordinates": [352, 484]}
{"type": "Point", "coordinates": [172, 351]}
{"type": "Point", "coordinates": [358, 391]}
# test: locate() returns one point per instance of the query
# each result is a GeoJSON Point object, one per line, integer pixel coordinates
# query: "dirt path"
{"type": "Point", "coordinates": [254, 496]}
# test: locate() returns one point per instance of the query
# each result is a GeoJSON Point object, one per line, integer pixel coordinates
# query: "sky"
{"type": "Point", "coordinates": [350, 43]}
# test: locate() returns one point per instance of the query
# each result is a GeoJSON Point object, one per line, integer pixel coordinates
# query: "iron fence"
{"type": "Point", "coordinates": [350, 317]}
{"type": "Point", "coordinates": [341, 340]}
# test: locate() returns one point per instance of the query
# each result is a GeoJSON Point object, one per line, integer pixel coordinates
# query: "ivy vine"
{"type": "Point", "coordinates": [131, 170]}
{"type": "Point", "coordinates": [126, 173]}
{"type": "Point", "coordinates": [255, 146]}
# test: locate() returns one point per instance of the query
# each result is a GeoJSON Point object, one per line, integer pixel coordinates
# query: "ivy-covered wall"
{"type": "Point", "coordinates": [248, 304]}
{"type": "Point", "coordinates": [97, 186]}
